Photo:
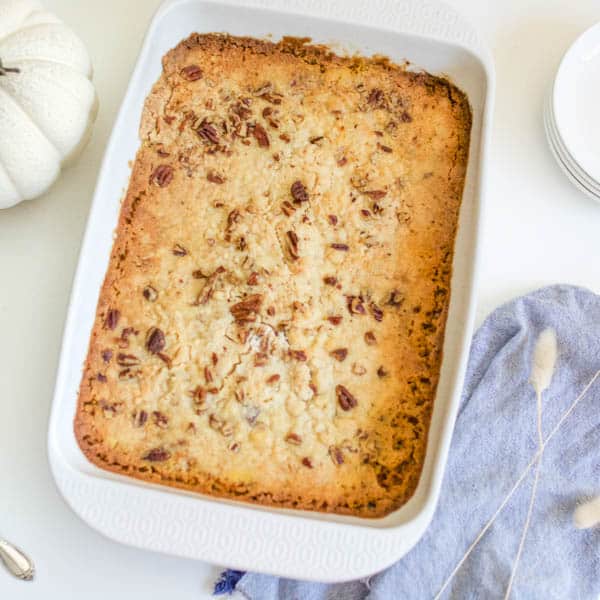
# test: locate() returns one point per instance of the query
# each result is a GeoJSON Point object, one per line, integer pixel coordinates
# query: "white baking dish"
{"type": "Point", "coordinates": [283, 542]}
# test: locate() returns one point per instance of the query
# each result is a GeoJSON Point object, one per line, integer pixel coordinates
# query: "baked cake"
{"type": "Point", "coordinates": [271, 323]}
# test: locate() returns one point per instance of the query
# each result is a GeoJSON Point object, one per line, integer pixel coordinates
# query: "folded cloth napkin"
{"type": "Point", "coordinates": [494, 452]}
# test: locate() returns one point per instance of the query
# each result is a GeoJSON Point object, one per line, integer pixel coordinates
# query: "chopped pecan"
{"type": "Point", "coordinates": [339, 354]}
{"type": "Point", "coordinates": [370, 338]}
{"type": "Point", "coordinates": [162, 175]}
{"type": "Point", "coordinates": [109, 410]}
{"type": "Point", "coordinates": [342, 161]}
{"type": "Point", "coordinates": [285, 137]}
{"type": "Point", "coordinates": [157, 455]}
{"type": "Point", "coordinates": [205, 295]}
{"type": "Point", "coordinates": [405, 117]}
{"type": "Point", "coordinates": [260, 135]}
{"type": "Point", "coordinates": [293, 438]}
{"type": "Point", "coordinates": [234, 446]}
{"type": "Point", "coordinates": [127, 360]}
{"type": "Point", "coordinates": [336, 454]}
{"type": "Point", "coordinates": [243, 112]}
{"type": "Point", "coordinates": [335, 319]}
{"type": "Point", "coordinates": [307, 462]}
{"type": "Point", "coordinates": [165, 358]}
{"type": "Point", "coordinates": [209, 287]}
{"type": "Point", "coordinates": [261, 359]}
{"type": "Point", "coordinates": [382, 371]}
{"type": "Point", "coordinates": [179, 250]}
{"type": "Point", "coordinates": [123, 341]}
{"type": "Point", "coordinates": [330, 280]}
{"type": "Point", "coordinates": [355, 305]}
{"type": "Point", "coordinates": [150, 293]}
{"type": "Point", "coordinates": [126, 374]}
{"type": "Point", "coordinates": [365, 213]}
{"type": "Point", "coordinates": [247, 310]}
{"type": "Point", "coordinates": [265, 88]}
{"type": "Point", "coordinates": [101, 378]}
{"type": "Point", "coordinates": [232, 218]}
{"type": "Point", "coordinates": [396, 298]}
{"type": "Point", "coordinates": [140, 418]}
{"type": "Point", "coordinates": [299, 355]}
{"type": "Point", "coordinates": [299, 193]}
{"type": "Point", "coordinates": [384, 148]}
{"type": "Point", "coordinates": [376, 311]}
{"type": "Point", "coordinates": [127, 331]}
{"type": "Point", "coordinates": [342, 247]}
{"type": "Point", "coordinates": [273, 378]}
{"type": "Point", "coordinates": [208, 132]}
{"type": "Point", "coordinates": [208, 376]}
{"type": "Point", "coordinates": [198, 274]}
{"type": "Point", "coordinates": [375, 194]}
{"type": "Point", "coordinates": [214, 358]}
{"type": "Point", "coordinates": [214, 177]}
{"type": "Point", "coordinates": [271, 311]}
{"type": "Point", "coordinates": [292, 244]}
{"type": "Point", "coordinates": [288, 208]}
{"type": "Point", "coordinates": [333, 220]}
{"type": "Point", "coordinates": [345, 399]}
{"type": "Point", "coordinates": [160, 420]}
{"type": "Point", "coordinates": [198, 395]}
{"type": "Point", "coordinates": [316, 139]}
{"type": "Point", "coordinates": [214, 422]}
{"type": "Point", "coordinates": [112, 319]}
{"type": "Point", "coordinates": [155, 340]}
{"type": "Point", "coordinates": [376, 98]}
{"type": "Point", "coordinates": [253, 278]}
{"type": "Point", "coordinates": [358, 369]}
{"type": "Point", "coordinates": [191, 72]}
{"type": "Point", "coordinates": [107, 355]}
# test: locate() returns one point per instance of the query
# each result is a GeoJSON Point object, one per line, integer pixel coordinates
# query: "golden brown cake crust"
{"type": "Point", "coordinates": [271, 323]}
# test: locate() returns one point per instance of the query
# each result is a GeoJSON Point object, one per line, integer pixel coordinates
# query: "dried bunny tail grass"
{"type": "Point", "coordinates": [516, 485]}
{"type": "Point", "coordinates": [587, 515]}
{"type": "Point", "coordinates": [544, 360]}
{"type": "Point", "coordinates": [542, 369]}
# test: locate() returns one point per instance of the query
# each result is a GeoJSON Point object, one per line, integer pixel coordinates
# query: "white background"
{"type": "Point", "coordinates": [538, 230]}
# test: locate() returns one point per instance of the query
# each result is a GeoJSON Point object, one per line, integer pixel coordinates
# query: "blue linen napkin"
{"type": "Point", "coordinates": [495, 442]}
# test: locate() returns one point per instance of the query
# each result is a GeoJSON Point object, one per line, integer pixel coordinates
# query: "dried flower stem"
{"type": "Point", "coordinates": [516, 485]}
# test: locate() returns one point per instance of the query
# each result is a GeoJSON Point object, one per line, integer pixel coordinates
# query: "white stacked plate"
{"type": "Point", "coordinates": [572, 113]}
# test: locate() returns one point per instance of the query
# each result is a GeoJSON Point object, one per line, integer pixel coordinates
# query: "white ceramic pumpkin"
{"type": "Point", "coordinates": [47, 101]}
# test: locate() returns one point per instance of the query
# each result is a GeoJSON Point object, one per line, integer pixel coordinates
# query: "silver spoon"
{"type": "Point", "coordinates": [16, 561]}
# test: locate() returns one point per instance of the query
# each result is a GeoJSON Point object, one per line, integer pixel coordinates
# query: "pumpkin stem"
{"type": "Point", "coordinates": [6, 70]}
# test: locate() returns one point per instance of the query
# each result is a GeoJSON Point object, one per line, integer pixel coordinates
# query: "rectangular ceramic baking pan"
{"type": "Point", "coordinates": [284, 542]}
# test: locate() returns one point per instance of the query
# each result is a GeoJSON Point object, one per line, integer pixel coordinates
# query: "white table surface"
{"type": "Point", "coordinates": [538, 230]}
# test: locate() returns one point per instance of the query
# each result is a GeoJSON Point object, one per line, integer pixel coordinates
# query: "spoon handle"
{"type": "Point", "coordinates": [16, 561]}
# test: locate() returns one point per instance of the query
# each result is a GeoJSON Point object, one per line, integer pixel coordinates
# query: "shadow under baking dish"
{"type": "Point", "coordinates": [287, 542]}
